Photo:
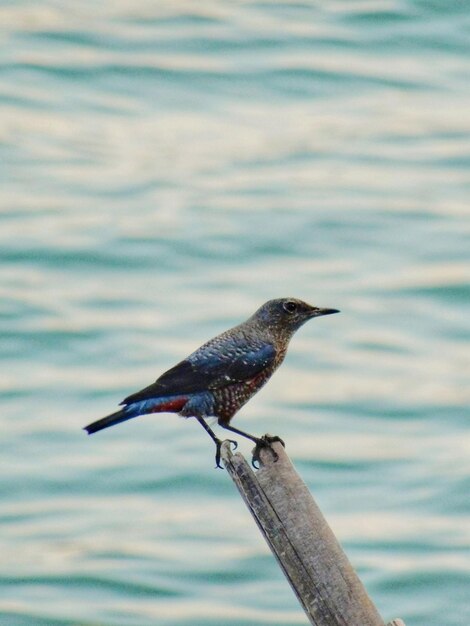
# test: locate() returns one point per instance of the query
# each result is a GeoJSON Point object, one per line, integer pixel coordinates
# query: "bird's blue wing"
{"type": "Point", "coordinates": [216, 364]}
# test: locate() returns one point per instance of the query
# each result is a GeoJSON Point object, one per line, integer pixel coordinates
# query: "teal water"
{"type": "Point", "coordinates": [165, 168]}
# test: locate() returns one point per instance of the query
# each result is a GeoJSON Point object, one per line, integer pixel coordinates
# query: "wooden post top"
{"type": "Point", "coordinates": [305, 547]}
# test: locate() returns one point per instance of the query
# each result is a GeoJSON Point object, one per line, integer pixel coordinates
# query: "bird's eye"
{"type": "Point", "coordinates": [289, 306]}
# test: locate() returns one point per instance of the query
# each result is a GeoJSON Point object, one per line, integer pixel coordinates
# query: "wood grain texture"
{"type": "Point", "coordinates": [305, 547]}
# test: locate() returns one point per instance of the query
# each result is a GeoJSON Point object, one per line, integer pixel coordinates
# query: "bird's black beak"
{"type": "Point", "coordinates": [317, 312]}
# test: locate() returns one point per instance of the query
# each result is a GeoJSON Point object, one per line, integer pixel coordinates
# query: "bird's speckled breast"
{"type": "Point", "coordinates": [229, 399]}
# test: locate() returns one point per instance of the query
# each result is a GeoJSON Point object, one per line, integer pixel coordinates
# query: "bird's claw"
{"type": "Point", "coordinates": [266, 442]}
{"type": "Point", "coordinates": [218, 446]}
{"type": "Point", "coordinates": [274, 439]}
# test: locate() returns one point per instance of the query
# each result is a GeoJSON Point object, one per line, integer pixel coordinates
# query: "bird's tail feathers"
{"type": "Point", "coordinates": [109, 420]}
{"type": "Point", "coordinates": [172, 404]}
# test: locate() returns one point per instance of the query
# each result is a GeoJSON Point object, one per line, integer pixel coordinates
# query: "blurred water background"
{"type": "Point", "coordinates": [166, 167]}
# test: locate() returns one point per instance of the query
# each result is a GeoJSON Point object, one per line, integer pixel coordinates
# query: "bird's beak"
{"type": "Point", "coordinates": [317, 312]}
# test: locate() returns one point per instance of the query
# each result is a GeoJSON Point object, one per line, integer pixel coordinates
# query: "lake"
{"type": "Point", "coordinates": [166, 167]}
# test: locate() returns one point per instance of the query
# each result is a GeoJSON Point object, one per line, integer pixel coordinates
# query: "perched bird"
{"type": "Point", "coordinates": [223, 374]}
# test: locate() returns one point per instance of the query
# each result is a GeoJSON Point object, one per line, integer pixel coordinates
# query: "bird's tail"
{"type": "Point", "coordinates": [172, 404]}
{"type": "Point", "coordinates": [109, 420]}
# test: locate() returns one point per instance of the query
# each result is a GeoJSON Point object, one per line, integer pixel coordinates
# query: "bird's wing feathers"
{"type": "Point", "coordinates": [208, 369]}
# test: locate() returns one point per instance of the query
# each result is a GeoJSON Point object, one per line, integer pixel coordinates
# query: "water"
{"type": "Point", "coordinates": [165, 168]}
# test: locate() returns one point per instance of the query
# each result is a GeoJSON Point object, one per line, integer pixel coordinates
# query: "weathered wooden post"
{"type": "Point", "coordinates": [305, 547]}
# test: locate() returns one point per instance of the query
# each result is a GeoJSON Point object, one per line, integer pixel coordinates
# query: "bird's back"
{"type": "Point", "coordinates": [235, 356]}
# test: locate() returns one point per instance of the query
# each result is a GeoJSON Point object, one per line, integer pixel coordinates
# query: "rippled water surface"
{"type": "Point", "coordinates": [165, 168]}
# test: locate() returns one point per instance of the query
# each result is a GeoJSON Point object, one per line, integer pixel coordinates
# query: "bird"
{"type": "Point", "coordinates": [223, 374]}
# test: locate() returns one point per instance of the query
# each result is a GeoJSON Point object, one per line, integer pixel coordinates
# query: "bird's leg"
{"type": "Point", "coordinates": [215, 439]}
{"type": "Point", "coordinates": [261, 442]}
{"type": "Point", "coordinates": [240, 432]}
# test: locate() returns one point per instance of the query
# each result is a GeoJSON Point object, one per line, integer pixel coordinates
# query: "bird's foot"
{"type": "Point", "coordinates": [218, 445]}
{"type": "Point", "coordinates": [266, 442]}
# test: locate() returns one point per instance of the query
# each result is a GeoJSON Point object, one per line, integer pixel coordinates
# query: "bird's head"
{"type": "Point", "coordinates": [284, 316]}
